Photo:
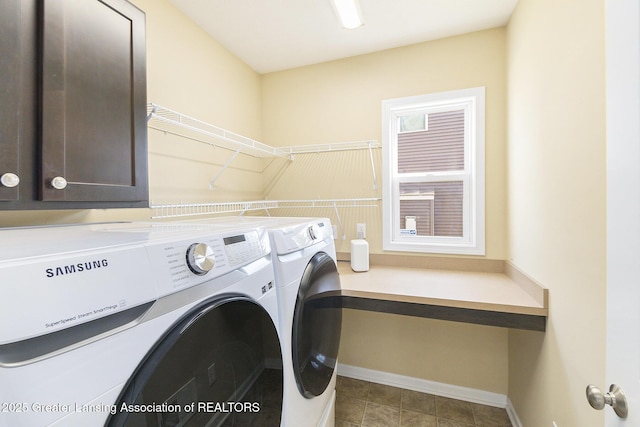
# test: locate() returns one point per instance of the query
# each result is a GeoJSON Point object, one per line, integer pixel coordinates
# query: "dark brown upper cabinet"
{"type": "Point", "coordinates": [78, 100]}
{"type": "Point", "coordinates": [10, 76]}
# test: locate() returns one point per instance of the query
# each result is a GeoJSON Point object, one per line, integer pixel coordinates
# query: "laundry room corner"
{"type": "Point", "coordinates": [341, 101]}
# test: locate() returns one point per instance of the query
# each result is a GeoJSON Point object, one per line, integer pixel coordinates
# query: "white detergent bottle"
{"type": "Point", "coordinates": [359, 254]}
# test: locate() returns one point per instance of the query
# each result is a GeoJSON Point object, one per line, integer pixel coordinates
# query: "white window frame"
{"type": "Point", "coordinates": [472, 241]}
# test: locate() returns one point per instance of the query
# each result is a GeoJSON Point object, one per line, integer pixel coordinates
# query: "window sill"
{"type": "Point", "coordinates": [501, 297]}
{"type": "Point", "coordinates": [434, 248]}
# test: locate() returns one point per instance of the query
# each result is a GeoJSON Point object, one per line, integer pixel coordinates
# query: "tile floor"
{"type": "Point", "coordinates": [366, 404]}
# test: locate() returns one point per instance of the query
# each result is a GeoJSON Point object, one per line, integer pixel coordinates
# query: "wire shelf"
{"type": "Point", "coordinates": [169, 121]}
{"type": "Point", "coordinates": [180, 210]}
{"type": "Point", "coordinates": [175, 123]}
{"type": "Point", "coordinates": [325, 148]}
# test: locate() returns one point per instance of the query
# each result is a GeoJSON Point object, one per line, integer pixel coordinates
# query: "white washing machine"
{"type": "Point", "coordinates": [128, 324]}
{"type": "Point", "coordinates": [308, 288]}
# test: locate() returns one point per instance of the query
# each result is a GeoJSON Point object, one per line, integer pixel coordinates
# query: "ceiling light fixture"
{"type": "Point", "coordinates": [348, 12]}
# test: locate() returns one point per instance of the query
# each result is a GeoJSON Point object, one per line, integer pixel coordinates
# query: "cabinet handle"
{"type": "Point", "coordinates": [9, 180]}
{"type": "Point", "coordinates": [59, 183]}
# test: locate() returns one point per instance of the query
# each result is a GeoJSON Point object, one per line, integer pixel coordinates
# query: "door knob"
{"type": "Point", "coordinates": [615, 398]}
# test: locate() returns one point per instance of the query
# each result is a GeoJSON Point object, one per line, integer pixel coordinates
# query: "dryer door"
{"type": "Point", "coordinates": [317, 323]}
{"type": "Point", "coordinates": [219, 365]}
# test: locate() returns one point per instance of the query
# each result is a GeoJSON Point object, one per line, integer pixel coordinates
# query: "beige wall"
{"type": "Point", "coordinates": [341, 101]}
{"type": "Point", "coordinates": [189, 72]}
{"type": "Point", "coordinates": [460, 354]}
{"type": "Point", "coordinates": [556, 134]}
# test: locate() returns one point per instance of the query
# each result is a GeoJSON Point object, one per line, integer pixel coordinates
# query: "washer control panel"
{"type": "Point", "coordinates": [181, 264]}
{"type": "Point", "coordinates": [242, 247]}
{"type": "Point", "coordinates": [297, 236]}
{"type": "Point", "coordinates": [53, 278]}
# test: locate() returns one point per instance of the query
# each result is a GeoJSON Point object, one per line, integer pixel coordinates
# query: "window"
{"type": "Point", "coordinates": [433, 172]}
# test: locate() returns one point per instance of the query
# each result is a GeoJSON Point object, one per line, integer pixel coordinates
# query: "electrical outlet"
{"type": "Point", "coordinates": [361, 231]}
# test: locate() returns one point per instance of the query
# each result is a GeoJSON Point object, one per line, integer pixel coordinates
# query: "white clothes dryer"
{"type": "Point", "coordinates": [128, 324]}
{"type": "Point", "coordinates": [308, 288]}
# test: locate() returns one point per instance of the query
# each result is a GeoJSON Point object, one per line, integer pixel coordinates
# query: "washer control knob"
{"type": "Point", "coordinates": [200, 258]}
{"type": "Point", "coordinates": [313, 232]}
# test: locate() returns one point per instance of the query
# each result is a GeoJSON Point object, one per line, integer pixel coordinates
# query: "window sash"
{"type": "Point", "coordinates": [438, 221]}
{"type": "Point", "coordinates": [438, 149]}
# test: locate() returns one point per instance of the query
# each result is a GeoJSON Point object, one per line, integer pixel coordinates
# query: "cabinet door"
{"type": "Point", "coordinates": [10, 26]}
{"type": "Point", "coordinates": [93, 125]}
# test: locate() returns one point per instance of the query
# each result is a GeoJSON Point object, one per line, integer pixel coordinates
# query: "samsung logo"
{"type": "Point", "coordinates": [76, 268]}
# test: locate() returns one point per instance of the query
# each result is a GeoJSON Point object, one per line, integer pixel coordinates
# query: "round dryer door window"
{"type": "Point", "coordinates": [219, 366]}
{"type": "Point", "coordinates": [317, 323]}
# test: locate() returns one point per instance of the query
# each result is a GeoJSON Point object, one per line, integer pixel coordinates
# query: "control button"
{"type": "Point", "coordinates": [200, 258]}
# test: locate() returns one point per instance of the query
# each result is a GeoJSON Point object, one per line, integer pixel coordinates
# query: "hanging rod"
{"type": "Point", "coordinates": [179, 210]}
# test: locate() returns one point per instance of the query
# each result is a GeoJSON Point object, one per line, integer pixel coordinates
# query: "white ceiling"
{"type": "Point", "coordinates": [273, 35]}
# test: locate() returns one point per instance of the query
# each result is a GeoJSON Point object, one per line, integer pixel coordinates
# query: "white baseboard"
{"type": "Point", "coordinates": [513, 417]}
{"type": "Point", "coordinates": [432, 387]}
